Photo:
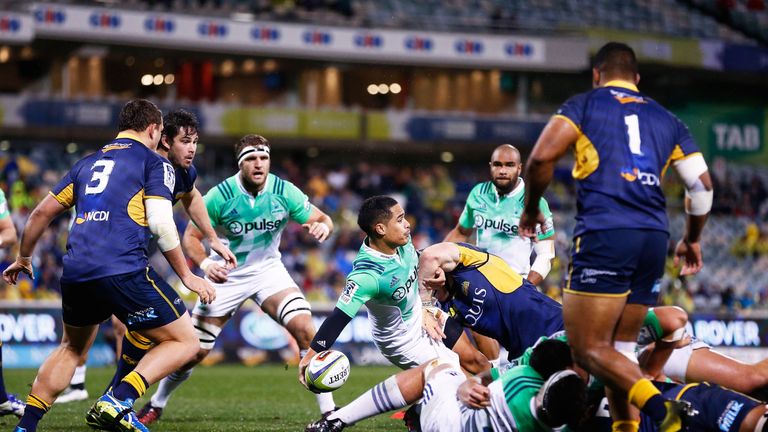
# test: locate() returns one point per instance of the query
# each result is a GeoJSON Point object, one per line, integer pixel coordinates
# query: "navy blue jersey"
{"type": "Point", "coordinates": [110, 233]}
{"type": "Point", "coordinates": [626, 142]}
{"type": "Point", "coordinates": [185, 182]}
{"type": "Point", "coordinates": [494, 300]}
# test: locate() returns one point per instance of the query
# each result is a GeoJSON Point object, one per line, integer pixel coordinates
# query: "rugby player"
{"type": "Point", "coordinates": [623, 142]}
{"type": "Point", "coordinates": [249, 209]}
{"type": "Point", "coordinates": [123, 194]}
{"type": "Point", "coordinates": [384, 279]}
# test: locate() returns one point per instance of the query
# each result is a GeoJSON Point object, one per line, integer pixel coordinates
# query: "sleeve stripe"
{"type": "Point", "coordinates": [367, 261]}
{"type": "Point", "coordinates": [229, 190]}
{"type": "Point", "coordinates": [222, 187]}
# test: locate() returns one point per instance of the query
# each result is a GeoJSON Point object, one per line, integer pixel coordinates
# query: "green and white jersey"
{"type": "Point", "coordinates": [252, 225]}
{"type": "Point", "coordinates": [4, 211]}
{"type": "Point", "coordinates": [495, 219]}
{"type": "Point", "coordinates": [512, 401]}
{"type": "Point", "coordinates": [387, 285]}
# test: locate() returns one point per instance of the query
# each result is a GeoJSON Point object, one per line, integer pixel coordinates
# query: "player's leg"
{"type": "Point", "coordinates": [488, 346]}
{"type": "Point", "coordinates": [133, 347]}
{"type": "Point", "coordinates": [56, 372]}
{"type": "Point", "coordinates": [470, 358]}
{"type": "Point", "coordinates": [207, 329]}
{"type": "Point", "coordinates": [76, 390]}
{"type": "Point", "coordinates": [709, 365]}
{"type": "Point", "coordinates": [756, 420]}
{"type": "Point", "coordinates": [600, 279]}
{"type": "Point", "coordinates": [397, 391]}
{"type": "Point", "coordinates": [281, 299]}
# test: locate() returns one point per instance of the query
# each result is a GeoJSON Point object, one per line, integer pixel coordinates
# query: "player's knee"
{"type": "Point", "coordinates": [293, 306]}
{"type": "Point", "coordinates": [206, 334]}
{"type": "Point", "coordinates": [672, 318]}
{"type": "Point", "coordinates": [198, 357]}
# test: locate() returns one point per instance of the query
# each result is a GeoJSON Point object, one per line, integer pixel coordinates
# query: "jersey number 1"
{"type": "Point", "coordinates": [633, 130]}
{"type": "Point", "coordinates": [101, 171]}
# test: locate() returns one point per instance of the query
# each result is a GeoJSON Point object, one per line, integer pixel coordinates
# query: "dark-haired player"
{"type": "Point", "coordinates": [123, 195]}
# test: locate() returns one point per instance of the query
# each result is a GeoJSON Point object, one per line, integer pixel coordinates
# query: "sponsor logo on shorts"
{"type": "Point", "coordinates": [729, 415]}
{"type": "Point", "coordinates": [143, 315]}
{"type": "Point", "coordinates": [349, 291]}
{"type": "Point", "coordinates": [589, 275]}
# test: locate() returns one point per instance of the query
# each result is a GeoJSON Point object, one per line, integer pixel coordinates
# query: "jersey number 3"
{"type": "Point", "coordinates": [101, 171]}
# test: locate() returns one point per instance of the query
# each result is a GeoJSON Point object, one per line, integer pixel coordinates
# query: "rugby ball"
{"type": "Point", "coordinates": [327, 371]}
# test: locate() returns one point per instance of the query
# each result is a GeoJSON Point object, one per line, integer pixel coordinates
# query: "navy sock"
{"type": "Point", "coordinates": [34, 411]}
{"type": "Point", "coordinates": [131, 354]}
{"type": "Point", "coordinates": [655, 408]}
{"type": "Point", "coordinates": [130, 388]}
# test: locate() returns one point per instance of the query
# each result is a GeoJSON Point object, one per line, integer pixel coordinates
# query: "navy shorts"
{"type": "Point", "coordinates": [719, 408]}
{"type": "Point", "coordinates": [620, 262]}
{"type": "Point", "coordinates": [141, 300]}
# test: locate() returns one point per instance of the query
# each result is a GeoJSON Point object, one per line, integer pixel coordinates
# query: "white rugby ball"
{"type": "Point", "coordinates": [327, 371]}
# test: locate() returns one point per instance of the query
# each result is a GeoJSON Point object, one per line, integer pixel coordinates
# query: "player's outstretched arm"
{"type": "Point", "coordinates": [193, 246]}
{"type": "Point", "coordinates": [38, 221]}
{"type": "Point", "coordinates": [324, 339]}
{"type": "Point", "coordinates": [459, 234]}
{"type": "Point", "coordinates": [319, 225]}
{"type": "Point", "coordinates": [195, 206]}
{"type": "Point", "coordinates": [698, 203]}
{"type": "Point", "coordinates": [545, 252]}
{"type": "Point", "coordinates": [7, 232]}
{"type": "Point", "coordinates": [558, 135]}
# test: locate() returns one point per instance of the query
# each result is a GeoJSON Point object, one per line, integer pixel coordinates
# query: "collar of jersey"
{"type": "Point", "coordinates": [376, 253]}
{"type": "Point", "coordinates": [123, 135]}
{"type": "Point", "coordinates": [239, 182]}
{"type": "Point", "coordinates": [623, 84]}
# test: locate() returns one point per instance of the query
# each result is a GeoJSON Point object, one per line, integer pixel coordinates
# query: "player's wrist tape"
{"type": "Point", "coordinates": [206, 263]}
{"type": "Point", "coordinates": [248, 150]}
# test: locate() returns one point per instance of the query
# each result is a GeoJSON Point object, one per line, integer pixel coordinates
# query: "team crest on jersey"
{"type": "Point", "coordinates": [169, 176]}
{"type": "Point", "coordinates": [465, 288]}
{"type": "Point", "coordinates": [349, 291]}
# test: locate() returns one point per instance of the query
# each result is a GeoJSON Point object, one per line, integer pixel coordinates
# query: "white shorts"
{"type": "Point", "coordinates": [677, 364]}
{"type": "Point", "coordinates": [441, 410]}
{"type": "Point", "coordinates": [256, 283]}
{"type": "Point", "coordinates": [418, 350]}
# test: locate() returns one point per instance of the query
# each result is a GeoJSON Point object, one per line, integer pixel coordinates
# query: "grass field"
{"type": "Point", "coordinates": [220, 398]}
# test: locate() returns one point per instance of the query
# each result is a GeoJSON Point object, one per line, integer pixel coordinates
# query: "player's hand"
{"type": "Point", "coordinates": [432, 323]}
{"type": "Point", "coordinates": [526, 227]}
{"type": "Point", "coordinates": [690, 254]}
{"type": "Point", "coordinates": [22, 264]}
{"type": "Point", "coordinates": [201, 287]}
{"type": "Point", "coordinates": [434, 282]}
{"type": "Point", "coordinates": [474, 395]}
{"type": "Point", "coordinates": [214, 271]}
{"type": "Point", "coordinates": [318, 230]}
{"type": "Point", "coordinates": [303, 367]}
{"type": "Point", "coordinates": [224, 252]}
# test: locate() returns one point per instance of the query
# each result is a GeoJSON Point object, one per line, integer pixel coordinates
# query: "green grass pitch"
{"type": "Point", "coordinates": [220, 399]}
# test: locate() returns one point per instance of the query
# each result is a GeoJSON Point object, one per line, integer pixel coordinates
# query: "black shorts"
{"type": "Point", "coordinates": [618, 263]}
{"type": "Point", "coordinates": [141, 300]}
{"type": "Point", "coordinates": [720, 409]}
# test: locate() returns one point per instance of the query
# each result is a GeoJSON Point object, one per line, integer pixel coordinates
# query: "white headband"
{"type": "Point", "coordinates": [250, 150]}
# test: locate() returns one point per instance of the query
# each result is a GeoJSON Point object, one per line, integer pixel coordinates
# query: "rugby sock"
{"type": "Point", "coordinates": [385, 396]}
{"type": "Point", "coordinates": [132, 387]}
{"type": "Point", "coordinates": [78, 379]}
{"type": "Point", "coordinates": [3, 394]}
{"type": "Point", "coordinates": [625, 426]}
{"type": "Point", "coordinates": [647, 397]}
{"type": "Point", "coordinates": [167, 386]}
{"type": "Point", "coordinates": [133, 350]}
{"type": "Point", "coordinates": [34, 411]}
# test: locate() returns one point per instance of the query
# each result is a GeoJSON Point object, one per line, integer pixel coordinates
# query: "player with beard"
{"type": "Point", "coordinates": [493, 211]}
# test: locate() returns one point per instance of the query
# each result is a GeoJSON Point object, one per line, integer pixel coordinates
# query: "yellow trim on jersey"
{"type": "Point", "coordinates": [685, 389]}
{"type": "Point", "coordinates": [161, 294]}
{"type": "Point", "coordinates": [569, 121]}
{"type": "Point", "coordinates": [146, 197]}
{"type": "Point", "coordinates": [677, 155]}
{"type": "Point", "coordinates": [138, 340]}
{"type": "Point", "coordinates": [578, 244]}
{"type": "Point", "coordinates": [136, 210]}
{"type": "Point", "coordinates": [570, 276]}
{"type": "Point", "coordinates": [586, 159]}
{"type": "Point", "coordinates": [66, 196]}
{"type": "Point", "coordinates": [471, 257]}
{"type": "Point", "coordinates": [128, 135]}
{"type": "Point", "coordinates": [570, 291]}
{"type": "Point", "coordinates": [621, 83]}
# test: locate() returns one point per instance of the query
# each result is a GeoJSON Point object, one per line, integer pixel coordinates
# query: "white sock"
{"type": "Point", "coordinates": [79, 376]}
{"type": "Point", "coordinates": [167, 386]}
{"type": "Point", "coordinates": [325, 402]}
{"type": "Point", "coordinates": [385, 396]}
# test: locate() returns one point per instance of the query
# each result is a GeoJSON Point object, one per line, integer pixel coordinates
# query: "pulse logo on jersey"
{"type": "Point", "coordinates": [402, 291]}
{"type": "Point", "coordinates": [498, 225]}
{"type": "Point", "coordinates": [95, 216]}
{"type": "Point", "coordinates": [237, 227]}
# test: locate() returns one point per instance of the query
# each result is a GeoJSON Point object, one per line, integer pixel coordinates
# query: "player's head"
{"type": "Point", "coordinates": [505, 167]}
{"type": "Point", "coordinates": [615, 61]}
{"type": "Point", "coordinates": [381, 217]}
{"type": "Point", "coordinates": [142, 117]}
{"type": "Point", "coordinates": [252, 153]}
{"type": "Point", "coordinates": [550, 356]}
{"type": "Point", "coordinates": [562, 399]}
{"type": "Point", "coordinates": [180, 137]}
